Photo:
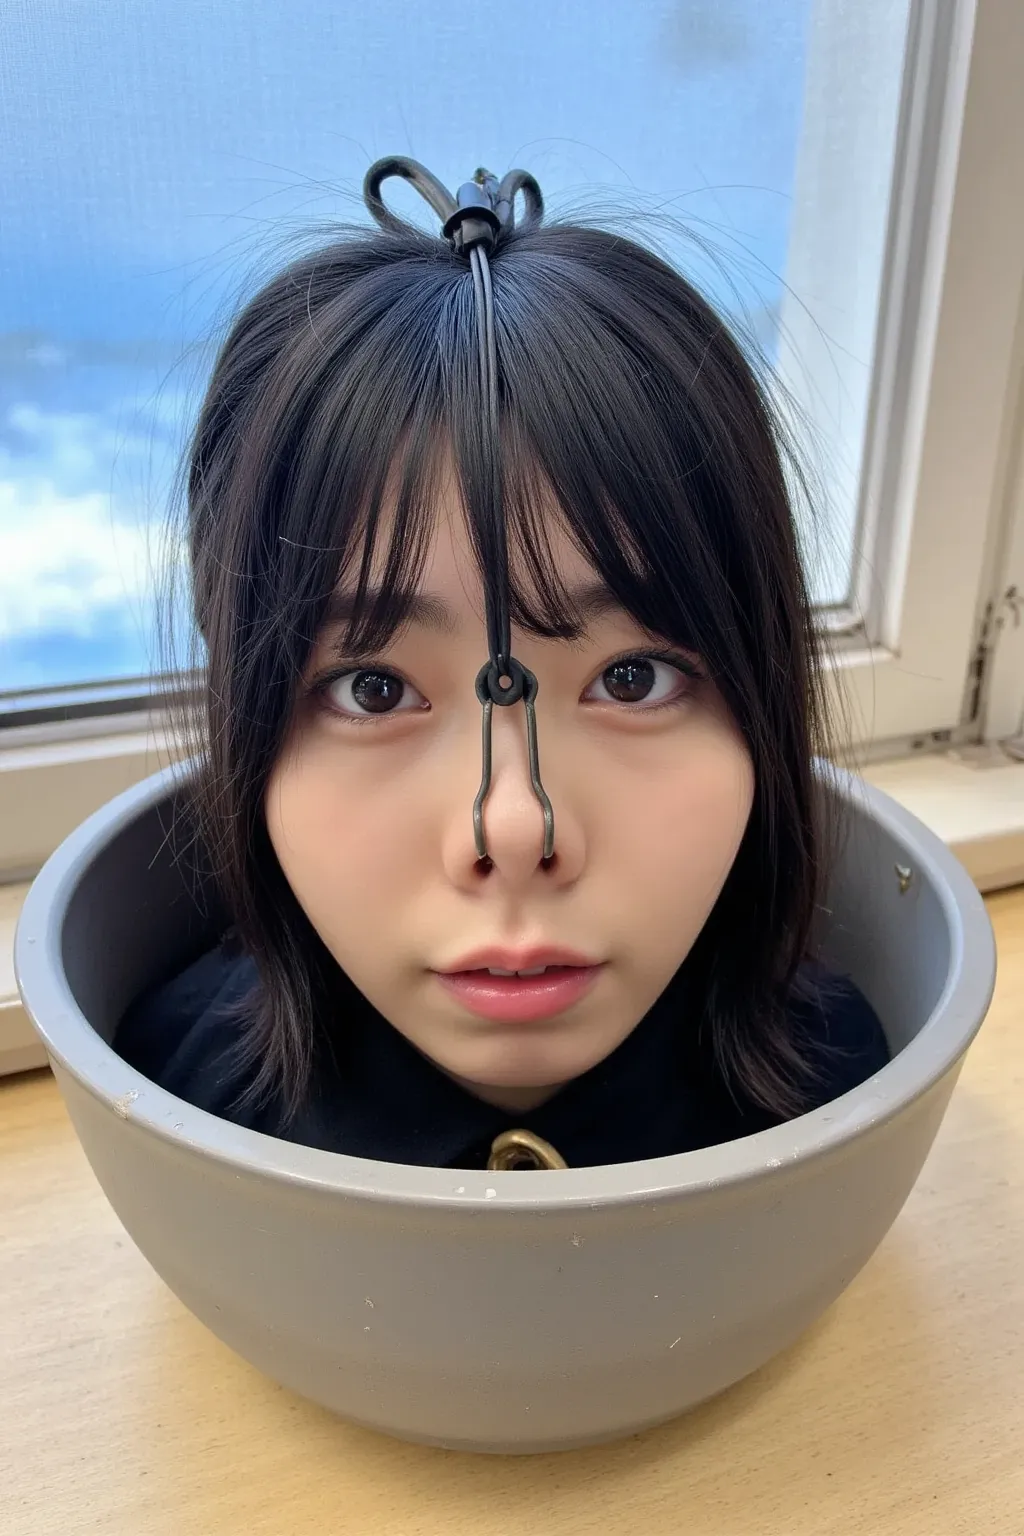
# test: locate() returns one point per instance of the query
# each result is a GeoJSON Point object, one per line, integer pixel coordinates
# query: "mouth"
{"type": "Point", "coordinates": [519, 996]}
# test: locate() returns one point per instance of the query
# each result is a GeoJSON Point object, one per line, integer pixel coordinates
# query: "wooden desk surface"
{"type": "Point", "coordinates": [901, 1412]}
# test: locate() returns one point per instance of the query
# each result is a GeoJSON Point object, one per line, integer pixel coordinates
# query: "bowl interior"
{"type": "Point", "coordinates": [145, 904]}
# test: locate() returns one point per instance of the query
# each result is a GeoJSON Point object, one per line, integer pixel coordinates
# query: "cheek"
{"type": "Point", "coordinates": [342, 848]}
{"type": "Point", "coordinates": [681, 848]}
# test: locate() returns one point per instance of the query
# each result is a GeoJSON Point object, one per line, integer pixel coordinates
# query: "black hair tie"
{"type": "Point", "coordinates": [473, 221]}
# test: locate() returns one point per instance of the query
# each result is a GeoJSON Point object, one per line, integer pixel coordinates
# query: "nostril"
{"type": "Point", "coordinates": [549, 863]}
{"type": "Point", "coordinates": [484, 865]}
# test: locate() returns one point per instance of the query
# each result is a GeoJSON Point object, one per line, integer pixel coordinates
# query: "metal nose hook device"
{"type": "Point", "coordinates": [472, 222]}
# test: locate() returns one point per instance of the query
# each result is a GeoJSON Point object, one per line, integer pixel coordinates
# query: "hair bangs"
{"type": "Point", "coordinates": [542, 601]}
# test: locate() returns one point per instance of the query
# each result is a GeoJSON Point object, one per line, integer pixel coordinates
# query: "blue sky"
{"type": "Point", "coordinates": [153, 157]}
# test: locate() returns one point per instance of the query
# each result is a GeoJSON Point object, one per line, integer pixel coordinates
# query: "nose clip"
{"type": "Point", "coordinates": [475, 221]}
{"type": "Point", "coordinates": [522, 685]}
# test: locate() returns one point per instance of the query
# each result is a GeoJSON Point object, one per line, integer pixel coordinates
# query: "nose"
{"type": "Point", "coordinates": [513, 819]}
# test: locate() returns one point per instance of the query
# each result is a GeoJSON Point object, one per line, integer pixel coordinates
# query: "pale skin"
{"type": "Point", "coordinates": [370, 815]}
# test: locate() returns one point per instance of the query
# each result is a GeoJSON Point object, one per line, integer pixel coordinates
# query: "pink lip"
{"type": "Point", "coordinates": [519, 999]}
{"type": "Point", "coordinates": [516, 959]}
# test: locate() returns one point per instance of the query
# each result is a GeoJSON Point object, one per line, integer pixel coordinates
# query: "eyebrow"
{"type": "Point", "coordinates": [428, 611]}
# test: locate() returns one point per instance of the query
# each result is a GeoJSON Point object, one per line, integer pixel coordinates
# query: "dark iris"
{"type": "Point", "coordinates": [629, 681]}
{"type": "Point", "coordinates": [376, 691]}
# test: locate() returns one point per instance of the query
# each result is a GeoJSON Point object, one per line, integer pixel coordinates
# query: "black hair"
{"type": "Point", "coordinates": [623, 394]}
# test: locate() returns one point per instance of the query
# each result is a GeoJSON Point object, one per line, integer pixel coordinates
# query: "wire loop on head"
{"type": "Point", "coordinates": [426, 183]}
{"type": "Point", "coordinates": [511, 185]}
{"type": "Point", "coordinates": [498, 198]}
{"type": "Point", "coordinates": [473, 222]}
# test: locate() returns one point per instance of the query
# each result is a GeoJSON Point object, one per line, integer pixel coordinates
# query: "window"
{"type": "Point", "coordinates": [851, 163]}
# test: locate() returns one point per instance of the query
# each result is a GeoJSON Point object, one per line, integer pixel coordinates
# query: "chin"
{"type": "Point", "coordinates": [530, 1067]}
{"type": "Point", "coordinates": [526, 1082]}
{"type": "Point", "coordinates": [541, 1055]}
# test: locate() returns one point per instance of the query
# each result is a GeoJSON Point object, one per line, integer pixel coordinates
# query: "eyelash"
{"type": "Point", "coordinates": [681, 663]}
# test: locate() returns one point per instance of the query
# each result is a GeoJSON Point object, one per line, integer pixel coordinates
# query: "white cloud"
{"type": "Point", "coordinates": [64, 564]}
{"type": "Point", "coordinates": [69, 559]}
{"type": "Point", "coordinates": [78, 451]}
{"type": "Point", "coordinates": [46, 355]}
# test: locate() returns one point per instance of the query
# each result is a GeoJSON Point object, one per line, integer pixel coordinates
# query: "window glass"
{"type": "Point", "coordinates": [152, 153]}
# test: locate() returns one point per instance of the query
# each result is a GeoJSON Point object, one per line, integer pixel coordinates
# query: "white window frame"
{"type": "Point", "coordinates": [947, 366]}
{"type": "Point", "coordinates": [1000, 683]}
{"type": "Point", "coordinates": [940, 448]}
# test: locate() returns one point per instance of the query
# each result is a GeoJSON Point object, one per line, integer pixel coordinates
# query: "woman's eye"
{"type": "Point", "coordinates": [645, 680]}
{"type": "Point", "coordinates": [371, 691]}
{"type": "Point", "coordinates": [368, 693]}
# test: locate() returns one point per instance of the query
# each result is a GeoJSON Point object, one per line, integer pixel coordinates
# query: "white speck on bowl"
{"type": "Point", "coordinates": [124, 1103]}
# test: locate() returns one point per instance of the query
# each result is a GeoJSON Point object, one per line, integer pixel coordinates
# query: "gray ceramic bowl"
{"type": "Point", "coordinates": [503, 1311]}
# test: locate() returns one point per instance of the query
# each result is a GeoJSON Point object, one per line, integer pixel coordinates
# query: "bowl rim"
{"type": "Point", "coordinates": [75, 1047]}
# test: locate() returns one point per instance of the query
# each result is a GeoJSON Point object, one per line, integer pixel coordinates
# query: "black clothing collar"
{"type": "Point", "coordinates": [657, 1094]}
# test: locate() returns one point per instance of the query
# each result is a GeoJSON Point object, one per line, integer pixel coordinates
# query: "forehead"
{"type": "Point", "coordinates": [451, 565]}
{"type": "Point", "coordinates": [450, 570]}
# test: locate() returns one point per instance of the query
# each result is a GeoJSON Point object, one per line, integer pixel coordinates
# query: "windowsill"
{"type": "Point", "coordinates": [19, 1048]}
{"type": "Point", "coordinates": [53, 776]}
{"type": "Point", "coordinates": [972, 798]}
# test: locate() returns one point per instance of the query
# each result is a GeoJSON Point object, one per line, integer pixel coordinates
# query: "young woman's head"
{"type": "Point", "coordinates": [339, 562]}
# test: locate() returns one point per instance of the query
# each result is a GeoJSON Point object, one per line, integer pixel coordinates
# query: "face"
{"type": "Point", "coordinates": [369, 810]}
